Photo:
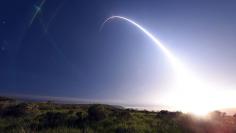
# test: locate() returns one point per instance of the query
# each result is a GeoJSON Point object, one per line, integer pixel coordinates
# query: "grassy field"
{"type": "Point", "coordinates": [49, 117]}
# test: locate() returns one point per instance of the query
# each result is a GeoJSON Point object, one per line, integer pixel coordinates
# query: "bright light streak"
{"type": "Point", "coordinates": [189, 93]}
{"type": "Point", "coordinates": [156, 41]}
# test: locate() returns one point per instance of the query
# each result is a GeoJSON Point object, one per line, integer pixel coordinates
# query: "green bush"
{"type": "Point", "coordinates": [97, 112]}
{"type": "Point", "coordinates": [53, 119]}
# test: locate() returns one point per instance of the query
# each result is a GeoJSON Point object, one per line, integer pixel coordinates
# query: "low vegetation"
{"type": "Point", "coordinates": [49, 117]}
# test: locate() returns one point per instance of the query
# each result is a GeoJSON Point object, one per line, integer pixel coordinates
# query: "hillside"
{"type": "Point", "coordinates": [49, 117]}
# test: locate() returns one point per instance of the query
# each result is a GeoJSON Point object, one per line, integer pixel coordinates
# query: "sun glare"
{"type": "Point", "coordinates": [190, 93]}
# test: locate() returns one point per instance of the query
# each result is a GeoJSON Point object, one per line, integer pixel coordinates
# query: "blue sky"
{"type": "Point", "coordinates": [63, 53]}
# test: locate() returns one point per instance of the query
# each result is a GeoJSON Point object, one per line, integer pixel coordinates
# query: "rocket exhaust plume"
{"type": "Point", "coordinates": [175, 63]}
{"type": "Point", "coordinates": [188, 87]}
{"type": "Point", "coordinates": [146, 32]}
{"type": "Point", "coordinates": [180, 71]}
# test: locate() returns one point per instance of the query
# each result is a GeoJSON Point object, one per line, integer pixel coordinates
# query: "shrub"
{"type": "Point", "coordinates": [124, 115]}
{"type": "Point", "coordinates": [20, 110]}
{"type": "Point", "coordinates": [97, 112]}
{"type": "Point", "coordinates": [217, 115]}
{"type": "Point", "coordinates": [124, 129]}
{"type": "Point", "coordinates": [53, 119]}
{"type": "Point", "coordinates": [81, 119]}
{"type": "Point", "coordinates": [167, 114]}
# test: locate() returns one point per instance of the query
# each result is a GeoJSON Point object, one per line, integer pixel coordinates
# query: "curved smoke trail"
{"type": "Point", "coordinates": [181, 72]}
{"type": "Point", "coordinates": [145, 31]}
{"type": "Point", "coordinates": [170, 56]}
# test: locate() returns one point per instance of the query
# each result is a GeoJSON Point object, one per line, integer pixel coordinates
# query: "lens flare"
{"type": "Point", "coordinates": [188, 93]}
{"type": "Point", "coordinates": [37, 11]}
